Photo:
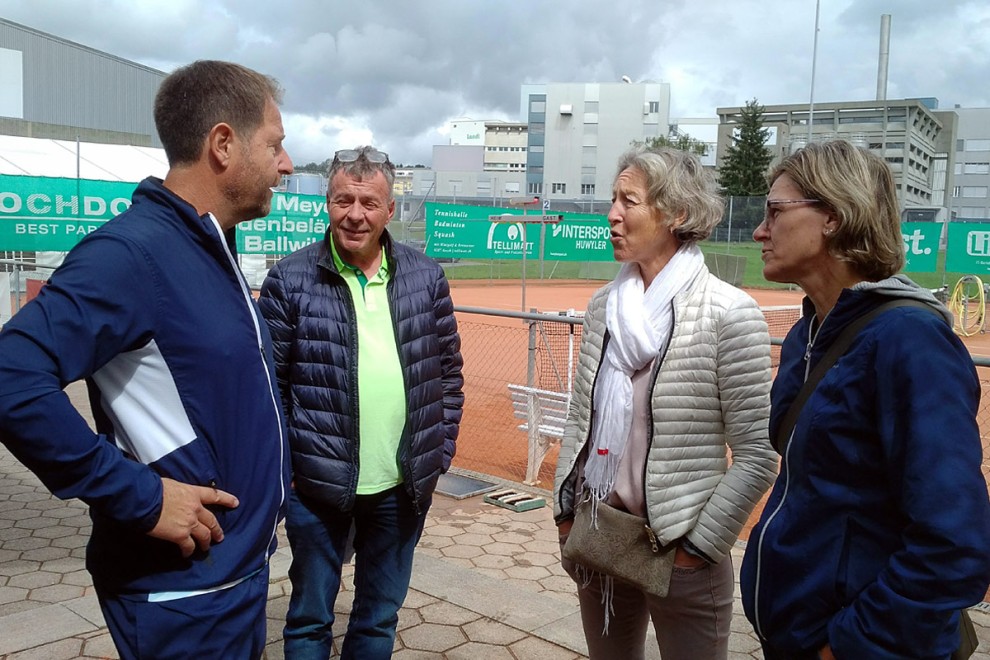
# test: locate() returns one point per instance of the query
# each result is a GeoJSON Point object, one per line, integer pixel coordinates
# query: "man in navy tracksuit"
{"type": "Point", "coordinates": [153, 311]}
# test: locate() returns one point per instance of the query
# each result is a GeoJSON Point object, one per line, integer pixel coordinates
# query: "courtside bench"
{"type": "Point", "coordinates": [544, 413]}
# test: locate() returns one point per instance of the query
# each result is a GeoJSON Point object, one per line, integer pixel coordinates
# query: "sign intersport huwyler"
{"type": "Point", "coordinates": [466, 232]}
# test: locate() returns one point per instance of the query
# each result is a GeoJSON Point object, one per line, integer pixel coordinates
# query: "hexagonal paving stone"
{"type": "Point", "coordinates": [536, 559]}
{"type": "Point", "coordinates": [476, 651]}
{"type": "Point", "coordinates": [435, 542]}
{"type": "Point", "coordinates": [45, 554]}
{"type": "Point", "coordinates": [408, 618]}
{"type": "Point", "coordinates": [448, 613]}
{"type": "Point", "coordinates": [474, 539]}
{"type": "Point", "coordinates": [527, 572]}
{"type": "Point", "coordinates": [494, 561]}
{"type": "Point", "coordinates": [545, 547]}
{"type": "Point", "coordinates": [55, 532]}
{"type": "Point", "coordinates": [432, 637]}
{"type": "Point", "coordinates": [507, 549]}
{"type": "Point", "coordinates": [101, 646]}
{"type": "Point", "coordinates": [18, 514]}
{"type": "Point", "coordinates": [12, 594]}
{"type": "Point", "coordinates": [488, 631]}
{"type": "Point", "coordinates": [80, 578]}
{"type": "Point", "coordinates": [33, 496]}
{"type": "Point", "coordinates": [72, 541]}
{"type": "Point", "coordinates": [56, 593]}
{"type": "Point", "coordinates": [34, 579]}
{"type": "Point", "coordinates": [25, 543]}
{"type": "Point", "coordinates": [463, 551]}
{"type": "Point", "coordinates": [445, 530]}
{"type": "Point", "coordinates": [416, 599]}
{"type": "Point", "coordinates": [512, 537]}
{"type": "Point", "coordinates": [18, 567]}
{"type": "Point", "coordinates": [47, 505]}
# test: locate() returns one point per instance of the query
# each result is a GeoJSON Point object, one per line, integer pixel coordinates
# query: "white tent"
{"type": "Point", "coordinates": [85, 160]}
{"type": "Point", "coordinates": [103, 162]}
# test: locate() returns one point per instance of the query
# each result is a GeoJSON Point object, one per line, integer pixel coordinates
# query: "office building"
{"type": "Point", "coordinates": [970, 198]}
{"type": "Point", "coordinates": [577, 131]}
{"type": "Point", "coordinates": [915, 138]}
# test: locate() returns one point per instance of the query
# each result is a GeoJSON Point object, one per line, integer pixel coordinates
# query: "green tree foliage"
{"type": "Point", "coordinates": [320, 168]}
{"type": "Point", "coordinates": [681, 141]}
{"type": "Point", "coordinates": [747, 159]}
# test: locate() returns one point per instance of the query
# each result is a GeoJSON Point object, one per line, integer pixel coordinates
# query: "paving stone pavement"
{"type": "Point", "coordinates": [487, 584]}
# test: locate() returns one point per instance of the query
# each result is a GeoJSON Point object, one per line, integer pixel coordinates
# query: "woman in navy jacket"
{"type": "Point", "coordinates": [877, 531]}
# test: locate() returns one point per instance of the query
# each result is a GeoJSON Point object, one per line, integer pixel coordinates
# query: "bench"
{"type": "Point", "coordinates": [544, 413]}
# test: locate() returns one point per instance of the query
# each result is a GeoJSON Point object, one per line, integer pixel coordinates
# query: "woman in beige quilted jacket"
{"type": "Point", "coordinates": [673, 381]}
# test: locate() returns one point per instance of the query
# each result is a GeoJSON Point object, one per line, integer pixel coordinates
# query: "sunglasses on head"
{"type": "Point", "coordinates": [351, 155]}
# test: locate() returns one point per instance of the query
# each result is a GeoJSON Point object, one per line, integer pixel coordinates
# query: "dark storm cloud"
{"type": "Point", "coordinates": [397, 73]}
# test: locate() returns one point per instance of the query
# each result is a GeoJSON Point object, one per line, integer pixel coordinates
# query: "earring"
{"type": "Point", "coordinates": [828, 232]}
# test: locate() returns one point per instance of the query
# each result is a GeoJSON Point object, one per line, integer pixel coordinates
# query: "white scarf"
{"type": "Point", "coordinates": [639, 323]}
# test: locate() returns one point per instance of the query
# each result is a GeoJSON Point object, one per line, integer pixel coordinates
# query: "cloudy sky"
{"type": "Point", "coordinates": [395, 73]}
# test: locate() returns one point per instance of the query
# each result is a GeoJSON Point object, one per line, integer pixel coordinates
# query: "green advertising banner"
{"type": "Point", "coordinates": [294, 222]}
{"type": "Point", "coordinates": [968, 248]}
{"type": "Point", "coordinates": [465, 232]}
{"type": "Point", "coordinates": [43, 214]}
{"type": "Point", "coordinates": [921, 241]}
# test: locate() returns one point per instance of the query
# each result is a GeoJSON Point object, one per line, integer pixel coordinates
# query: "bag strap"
{"type": "Point", "coordinates": [834, 352]}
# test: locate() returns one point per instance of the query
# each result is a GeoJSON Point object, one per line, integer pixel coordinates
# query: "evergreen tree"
{"type": "Point", "coordinates": [744, 168]}
{"type": "Point", "coordinates": [681, 141]}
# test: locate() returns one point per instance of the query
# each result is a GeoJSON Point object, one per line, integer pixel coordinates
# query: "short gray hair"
{"type": "Point", "coordinates": [677, 183]}
{"type": "Point", "coordinates": [362, 167]}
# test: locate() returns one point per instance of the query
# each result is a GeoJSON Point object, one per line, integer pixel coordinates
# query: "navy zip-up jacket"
{"type": "Point", "coordinates": [310, 313]}
{"type": "Point", "coordinates": [877, 531]}
{"type": "Point", "coordinates": [153, 311]}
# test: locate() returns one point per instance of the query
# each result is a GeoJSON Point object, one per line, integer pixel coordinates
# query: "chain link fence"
{"type": "Point", "coordinates": [539, 351]}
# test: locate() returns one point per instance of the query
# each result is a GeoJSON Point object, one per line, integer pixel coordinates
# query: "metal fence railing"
{"type": "Point", "coordinates": [19, 282]}
{"type": "Point", "coordinates": [539, 351]}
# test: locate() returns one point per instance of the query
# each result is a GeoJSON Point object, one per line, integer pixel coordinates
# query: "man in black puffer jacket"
{"type": "Point", "coordinates": [369, 366]}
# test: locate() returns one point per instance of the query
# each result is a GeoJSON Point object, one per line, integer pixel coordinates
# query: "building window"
{"type": "Point", "coordinates": [973, 212]}
{"type": "Point", "coordinates": [591, 106]}
{"type": "Point", "coordinates": [977, 145]}
{"type": "Point", "coordinates": [976, 168]}
{"type": "Point", "coordinates": [534, 188]}
{"type": "Point", "coordinates": [538, 106]}
{"type": "Point", "coordinates": [587, 189]}
{"type": "Point", "coordinates": [974, 191]}
{"type": "Point", "coordinates": [654, 106]}
{"type": "Point", "coordinates": [959, 168]}
{"type": "Point", "coordinates": [558, 188]}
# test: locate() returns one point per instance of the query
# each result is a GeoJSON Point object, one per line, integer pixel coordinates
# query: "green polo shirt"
{"type": "Point", "coordinates": [381, 395]}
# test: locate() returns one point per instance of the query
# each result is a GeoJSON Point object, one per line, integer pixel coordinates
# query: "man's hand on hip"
{"type": "Point", "coordinates": [185, 520]}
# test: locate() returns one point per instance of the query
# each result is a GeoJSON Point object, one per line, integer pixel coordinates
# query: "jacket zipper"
{"type": "Point", "coordinates": [757, 624]}
{"type": "Point", "coordinates": [649, 408]}
{"type": "Point", "coordinates": [276, 401]}
{"type": "Point", "coordinates": [405, 438]}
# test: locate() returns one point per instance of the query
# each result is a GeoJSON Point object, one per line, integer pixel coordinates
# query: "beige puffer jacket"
{"type": "Point", "coordinates": [712, 391]}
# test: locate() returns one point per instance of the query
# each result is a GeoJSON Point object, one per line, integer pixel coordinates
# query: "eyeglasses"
{"type": "Point", "coordinates": [773, 208]}
{"type": "Point", "coordinates": [351, 155]}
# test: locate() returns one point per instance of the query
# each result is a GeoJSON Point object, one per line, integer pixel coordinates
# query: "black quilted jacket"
{"type": "Point", "coordinates": [310, 313]}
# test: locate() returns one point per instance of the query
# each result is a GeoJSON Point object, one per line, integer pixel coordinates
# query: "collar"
{"type": "Point", "coordinates": [383, 269]}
